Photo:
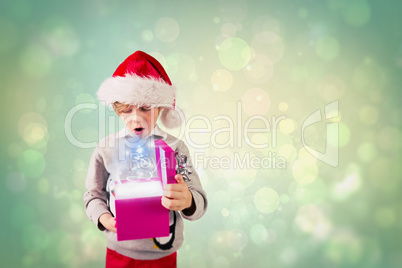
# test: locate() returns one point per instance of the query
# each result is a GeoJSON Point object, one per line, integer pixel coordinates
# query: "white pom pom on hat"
{"type": "Point", "coordinates": [141, 80]}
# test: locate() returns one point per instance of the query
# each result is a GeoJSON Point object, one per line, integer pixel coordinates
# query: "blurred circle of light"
{"type": "Point", "coordinates": [299, 74]}
{"type": "Point", "coordinates": [200, 94]}
{"type": "Point", "coordinates": [356, 13]}
{"type": "Point", "coordinates": [9, 35]}
{"type": "Point", "coordinates": [390, 139]}
{"type": "Point", "coordinates": [21, 214]}
{"type": "Point", "coordinates": [31, 163]}
{"type": "Point", "coordinates": [87, 134]}
{"type": "Point", "coordinates": [303, 13]}
{"type": "Point", "coordinates": [311, 219]}
{"type": "Point", "coordinates": [32, 127]}
{"type": "Point", "coordinates": [237, 239]}
{"type": "Point", "coordinates": [255, 101]}
{"type": "Point", "coordinates": [14, 150]}
{"type": "Point", "coordinates": [35, 61]}
{"type": "Point", "coordinates": [327, 48]}
{"type": "Point", "coordinates": [284, 198]}
{"type": "Point", "coordinates": [269, 44]}
{"type": "Point", "coordinates": [369, 77]}
{"type": "Point", "coordinates": [58, 101]}
{"type": "Point", "coordinates": [221, 262]}
{"type": "Point", "coordinates": [306, 157]}
{"type": "Point", "coordinates": [65, 248]}
{"type": "Point", "coordinates": [304, 172]}
{"type": "Point", "coordinates": [35, 237]}
{"type": "Point", "coordinates": [221, 80]}
{"type": "Point", "coordinates": [43, 186]}
{"type": "Point", "coordinates": [218, 243]}
{"type": "Point", "coordinates": [344, 136]}
{"type": "Point", "coordinates": [287, 126]}
{"type": "Point", "coordinates": [266, 200]}
{"type": "Point", "coordinates": [302, 44]}
{"type": "Point", "coordinates": [331, 87]}
{"type": "Point", "coordinates": [258, 139]}
{"type": "Point", "coordinates": [228, 30]}
{"type": "Point", "coordinates": [278, 140]}
{"type": "Point", "coordinates": [258, 234]}
{"type": "Point", "coordinates": [366, 152]}
{"type": "Point", "coordinates": [93, 243]}
{"type": "Point", "coordinates": [225, 212]}
{"type": "Point", "coordinates": [343, 248]}
{"type": "Point", "coordinates": [368, 114]}
{"type": "Point", "coordinates": [289, 256]}
{"type": "Point", "coordinates": [259, 70]}
{"type": "Point", "coordinates": [233, 10]}
{"type": "Point", "coordinates": [76, 213]}
{"type": "Point", "coordinates": [41, 104]}
{"type": "Point", "coordinates": [222, 198]}
{"type": "Point", "coordinates": [236, 190]}
{"type": "Point", "coordinates": [345, 188]}
{"type": "Point", "coordinates": [283, 106]}
{"type": "Point", "coordinates": [79, 164]}
{"type": "Point", "coordinates": [15, 182]}
{"type": "Point", "coordinates": [61, 40]}
{"type": "Point", "coordinates": [245, 176]}
{"type": "Point", "coordinates": [77, 179]}
{"type": "Point", "coordinates": [385, 217]}
{"type": "Point", "coordinates": [234, 53]}
{"type": "Point", "coordinates": [85, 98]}
{"type": "Point", "coordinates": [167, 29]}
{"type": "Point", "coordinates": [265, 24]}
{"type": "Point", "coordinates": [147, 36]}
{"type": "Point", "coordinates": [180, 66]}
{"type": "Point", "coordinates": [288, 151]}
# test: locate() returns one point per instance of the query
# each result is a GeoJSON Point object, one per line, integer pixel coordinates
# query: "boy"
{"type": "Point", "coordinates": [140, 91]}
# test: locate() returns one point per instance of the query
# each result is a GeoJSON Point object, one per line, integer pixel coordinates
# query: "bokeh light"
{"type": "Point", "coordinates": [328, 48]}
{"type": "Point", "coordinates": [256, 101]}
{"type": "Point", "coordinates": [266, 200]}
{"type": "Point", "coordinates": [167, 29]}
{"type": "Point", "coordinates": [31, 163]}
{"type": "Point", "coordinates": [357, 13]}
{"type": "Point", "coordinates": [234, 53]}
{"type": "Point", "coordinates": [259, 70]}
{"type": "Point", "coordinates": [221, 80]}
{"type": "Point", "coordinates": [270, 44]}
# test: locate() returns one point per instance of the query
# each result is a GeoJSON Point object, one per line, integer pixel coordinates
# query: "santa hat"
{"type": "Point", "coordinates": [140, 80]}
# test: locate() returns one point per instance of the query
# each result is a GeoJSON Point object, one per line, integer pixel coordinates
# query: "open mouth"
{"type": "Point", "coordinates": [138, 130]}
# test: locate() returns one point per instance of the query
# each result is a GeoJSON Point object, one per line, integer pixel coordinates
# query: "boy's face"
{"type": "Point", "coordinates": [140, 121]}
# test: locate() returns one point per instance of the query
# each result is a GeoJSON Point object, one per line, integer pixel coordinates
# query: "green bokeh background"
{"type": "Point", "coordinates": [275, 58]}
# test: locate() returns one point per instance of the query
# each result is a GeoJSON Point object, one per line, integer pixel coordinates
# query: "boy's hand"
{"type": "Point", "coordinates": [108, 221]}
{"type": "Point", "coordinates": [177, 197]}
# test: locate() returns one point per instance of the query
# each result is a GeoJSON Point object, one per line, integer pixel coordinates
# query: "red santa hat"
{"type": "Point", "coordinates": [140, 80]}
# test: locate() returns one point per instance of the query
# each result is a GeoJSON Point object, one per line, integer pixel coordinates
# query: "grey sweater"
{"type": "Point", "coordinates": [97, 198]}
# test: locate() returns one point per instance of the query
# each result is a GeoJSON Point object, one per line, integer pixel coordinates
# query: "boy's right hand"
{"type": "Point", "coordinates": [108, 221]}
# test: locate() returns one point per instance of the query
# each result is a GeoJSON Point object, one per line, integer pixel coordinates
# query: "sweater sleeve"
{"type": "Point", "coordinates": [95, 197]}
{"type": "Point", "coordinates": [195, 187]}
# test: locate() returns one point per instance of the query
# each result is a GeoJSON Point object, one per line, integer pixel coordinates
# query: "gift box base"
{"type": "Point", "coordinates": [140, 218]}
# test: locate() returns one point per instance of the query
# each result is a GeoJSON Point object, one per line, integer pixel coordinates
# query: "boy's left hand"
{"type": "Point", "coordinates": [177, 196]}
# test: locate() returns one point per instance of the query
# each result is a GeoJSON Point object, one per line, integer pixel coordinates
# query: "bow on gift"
{"type": "Point", "coordinates": [182, 167]}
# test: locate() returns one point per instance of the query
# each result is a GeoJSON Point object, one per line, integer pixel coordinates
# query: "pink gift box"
{"type": "Point", "coordinates": [139, 211]}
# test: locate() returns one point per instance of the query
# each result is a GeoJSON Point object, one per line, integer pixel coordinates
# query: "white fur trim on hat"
{"type": "Point", "coordinates": [138, 91]}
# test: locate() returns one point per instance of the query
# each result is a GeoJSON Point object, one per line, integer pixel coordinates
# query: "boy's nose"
{"type": "Point", "coordinates": [133, 118]}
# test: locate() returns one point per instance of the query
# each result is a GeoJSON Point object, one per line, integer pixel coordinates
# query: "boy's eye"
{"type": "Point", "coordinates": [127, 111]}
{"type": "Point", "coordinates": [145, 108]}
